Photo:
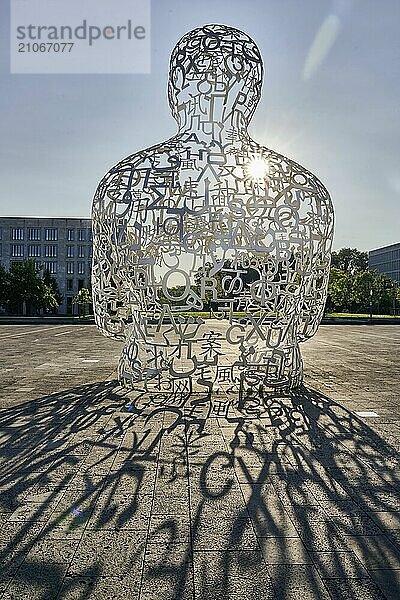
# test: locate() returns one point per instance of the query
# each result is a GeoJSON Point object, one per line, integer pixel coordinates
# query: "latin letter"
{"type": "Point", "coordinates": [52, 32]}
{"type": "Point", "coordinates": [119, 29]}
{"type": "Point", "coordinates": [31, 28]}
{"type": "Point", "coordinates": [211, 287]}
{"type": "Point", "coordinates": [165, 285]}
{"type": "Point", "coordinates": [92, 31]}
{"type": "Point", "coordinates": [139, 33]}
{"type": "Point", "coordinates": [40, 27]}
{"type": "Point", "coordinates": [21, 32]}
{"type": "Point", "coordinates": [239, 338]}
{"type": "Point", "coordinates": [68, 29]}
{"type": "Point", "coordinates": [77, 31]}
{"type": "Point", "coordinates": [108, 32]}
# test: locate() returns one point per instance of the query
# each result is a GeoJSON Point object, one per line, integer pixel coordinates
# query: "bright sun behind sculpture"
{"type": "Point", "coordinates": [257, 168]}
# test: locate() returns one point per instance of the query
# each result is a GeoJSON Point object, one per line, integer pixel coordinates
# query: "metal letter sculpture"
{"type": "Point", "coordinates": [210, 220]}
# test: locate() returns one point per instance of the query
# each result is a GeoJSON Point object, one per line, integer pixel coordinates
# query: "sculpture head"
{"type": "Point", "coordinates": [217, 71]}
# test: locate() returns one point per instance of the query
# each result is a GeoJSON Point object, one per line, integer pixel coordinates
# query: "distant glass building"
{"type": "Point", "coordinates": [386, 260]}
{"type": "Point", "coordinates": [63, 246]}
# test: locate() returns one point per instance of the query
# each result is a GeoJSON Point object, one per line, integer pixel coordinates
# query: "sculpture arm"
{"type": "Point", "coordinates": [317, 261]}
{"type": "Point", "coordinates": [120, 261]}
{"type": "Point", "coordinates": [109, 292]}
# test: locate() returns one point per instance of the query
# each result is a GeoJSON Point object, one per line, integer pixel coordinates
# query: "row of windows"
{"type": "Point", "coordinates": [70, 284]}
{"type": "Point", "coordinates": [80, 267]}
{"type": "Point", "coordinates": [52, 266]}
{"type": "Point", "coordinates": [71, 268]}
{"type": "Point", "coordinates": [383, 261]}
{"type": "Point", "coordinates": [50, 234]}
{"type": "Point", "coordinates": [81, 252]}
{"type": "Point", "coordinates": [379, 257]}
{"type": "Point", "coordinates": [17, 250]}
{"type": "Point", "coordinates": [35, 250]}
{"type": "Point", "coordinates": [387, 267]}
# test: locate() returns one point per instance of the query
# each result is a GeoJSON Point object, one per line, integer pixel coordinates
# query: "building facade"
{"type": "Point", "coordinates": [63, 246]}
{"type": "Point", "coordinates": [386, 260]}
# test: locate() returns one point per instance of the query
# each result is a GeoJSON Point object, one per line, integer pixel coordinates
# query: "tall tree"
{"type": "Point", "coordinates": [4, 286]}
{"type": "Point", "coordinates": [49, 300]}
{"type": "Point", "coordinates": [350, 260]}
{"type": "Point", "coordinates": [339, 291]}
{"type": "Point", "coordinates": [51, 282]}
{"type": "Point", "coordinates": [349, 292]}
{"type": "Point", "coordinates": [375, 287]}
{"type": "Point", "coordinates": [83, 298]}
{"type": "Point", "coordinates": [27, 290]}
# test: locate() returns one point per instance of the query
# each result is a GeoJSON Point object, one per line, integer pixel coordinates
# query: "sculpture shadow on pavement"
{"type": "Point", "coordinates": [104, 493]}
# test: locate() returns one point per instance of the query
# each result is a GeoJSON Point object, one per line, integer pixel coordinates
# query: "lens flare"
{"type": "Point", "coordinates": [257, 168]}
{"type": "Point", "coordinates": [321, 46]}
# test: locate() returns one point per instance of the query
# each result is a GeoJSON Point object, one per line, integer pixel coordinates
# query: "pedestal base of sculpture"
{"type": "Point", "coordinates": [240, 381]}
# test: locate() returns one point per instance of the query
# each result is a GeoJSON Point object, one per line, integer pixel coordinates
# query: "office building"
{"type": "Point", "coordinates": [386, 260]}
{"type": "Point", "coordinates": [63, 246]}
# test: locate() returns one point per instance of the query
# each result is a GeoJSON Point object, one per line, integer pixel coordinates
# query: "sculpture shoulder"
{"type": "Point", "coordinates": [287, 173]}
{"type": "Point", "coordinates": [122, 174]}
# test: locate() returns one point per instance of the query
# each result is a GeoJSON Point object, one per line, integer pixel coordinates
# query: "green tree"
{"type": "Point", "coordinates": [350, 260]}
{"type": "Point", "coordinates": [27, 291]}
{"type": "Point", "coordinates": [83, 299]}
{"type": "Point", "coordinates": [382, 289]}
{"type": "Point", "coordinates": [339, 290]}
{"type": "Point", "coordinates": [49, 300]}
{"type": "Point", "coordinates": [349, 292]}
{"type": "Point", "coordinates": [4, 286]}
{"type": "Point", "coordinates": [51, 282]}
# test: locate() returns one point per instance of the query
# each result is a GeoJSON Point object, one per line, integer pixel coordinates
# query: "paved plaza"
{"type": "Point", "coordinates": [110, 494]}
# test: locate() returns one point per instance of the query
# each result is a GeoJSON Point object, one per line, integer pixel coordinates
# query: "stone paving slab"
{"type": "Point", "coordinates": [104, 494]}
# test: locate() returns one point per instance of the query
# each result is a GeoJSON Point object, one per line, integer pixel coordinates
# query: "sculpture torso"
{"type": "Point", "coordinates": [209, 217]}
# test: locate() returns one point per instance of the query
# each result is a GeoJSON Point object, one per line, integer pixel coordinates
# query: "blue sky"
{"type": "Point", "coordinates": [330, 101]}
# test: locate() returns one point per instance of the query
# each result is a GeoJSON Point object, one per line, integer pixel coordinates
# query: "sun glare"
{"type": "Point", "coordinates": [257, 168]}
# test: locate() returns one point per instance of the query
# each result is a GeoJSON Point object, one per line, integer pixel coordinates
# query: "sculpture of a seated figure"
{"type": "Point", "coordinates": [210, 220]}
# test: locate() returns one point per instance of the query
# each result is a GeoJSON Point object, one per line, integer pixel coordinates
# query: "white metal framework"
{"type": "Point", "coordinates": [210, 220]}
